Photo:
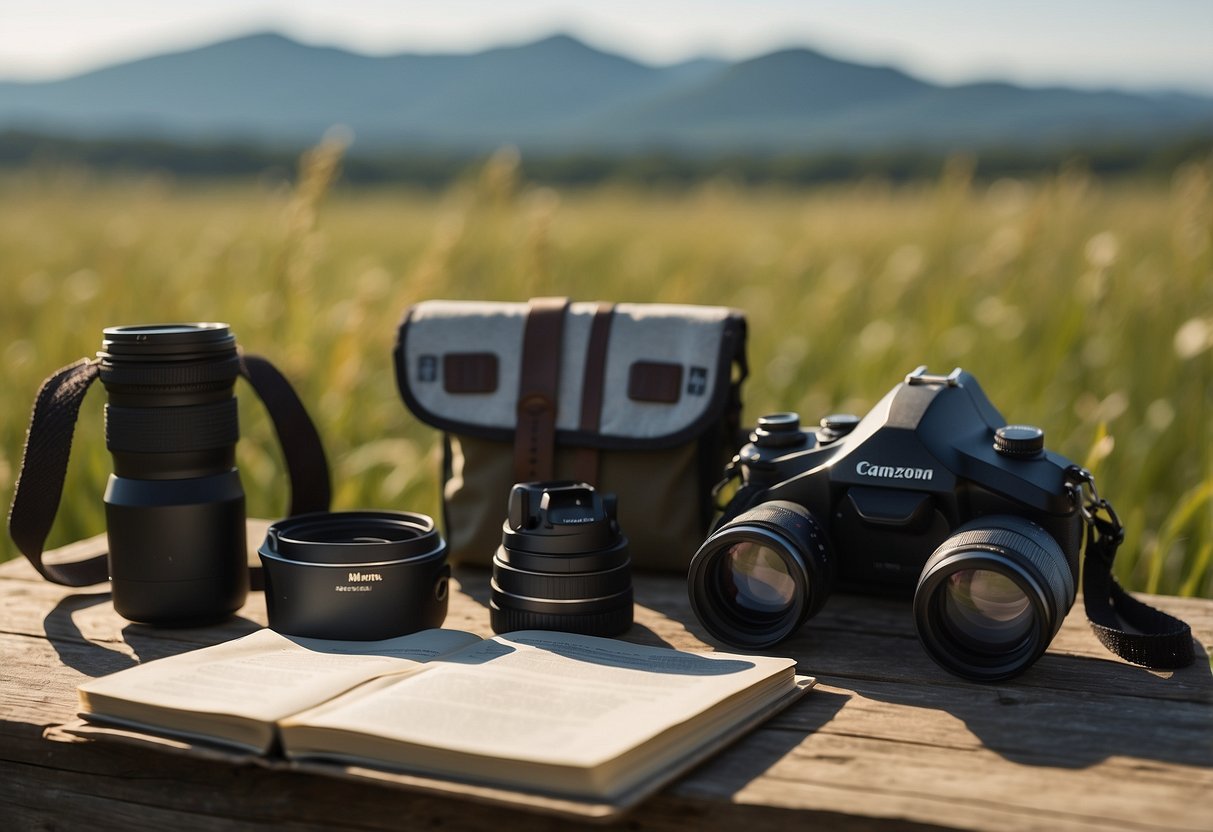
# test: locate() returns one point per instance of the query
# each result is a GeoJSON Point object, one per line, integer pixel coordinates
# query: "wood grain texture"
{"type": "Point", "coordinates": [887, 740]}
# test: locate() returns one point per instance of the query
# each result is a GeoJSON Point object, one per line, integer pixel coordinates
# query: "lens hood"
{"type": "Point", "coordinates": [356, 575]}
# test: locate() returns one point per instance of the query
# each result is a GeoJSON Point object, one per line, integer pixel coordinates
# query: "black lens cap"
{"type": "Point", "coordinates": [147, 340]}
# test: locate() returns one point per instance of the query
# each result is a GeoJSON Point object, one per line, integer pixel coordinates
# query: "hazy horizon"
{"type": "Point", "coordinates": [1080, 44]}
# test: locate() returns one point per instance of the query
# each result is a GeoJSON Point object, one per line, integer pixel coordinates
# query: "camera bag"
{"type": "Point", "coordinates": [639, 400]}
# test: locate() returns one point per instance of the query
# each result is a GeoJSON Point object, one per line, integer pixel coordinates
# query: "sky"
{"type": "Point", "coordinates": [1129, 44]}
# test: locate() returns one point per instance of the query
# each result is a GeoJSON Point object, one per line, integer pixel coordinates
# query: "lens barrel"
{"type": "Point", "coordinates": [563, 563]}
{"type": "Point", "coordinates": [760, 576]}
{"type": "Point", "coordinates": [355, 575]}
{"type": "Point", "coordinates": [174, 504]}
{"type": "Point", "coordinates": [992, 597]}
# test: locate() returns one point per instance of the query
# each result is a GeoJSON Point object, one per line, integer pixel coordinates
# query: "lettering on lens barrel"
{"type": "Point", "coordinates": [931, 495]}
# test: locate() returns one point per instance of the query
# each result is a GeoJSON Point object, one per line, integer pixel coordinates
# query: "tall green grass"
{"type": "Point", "coordinates": [1082, 306]}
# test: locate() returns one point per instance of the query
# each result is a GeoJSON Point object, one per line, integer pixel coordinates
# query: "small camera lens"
{"type": "Point", "coordinates": [563, 563]}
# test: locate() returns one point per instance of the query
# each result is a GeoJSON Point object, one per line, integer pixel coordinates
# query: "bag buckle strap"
{"type": "Point", "coordinates": [593, 383]}
{"type": "Point", "coordinates": [539, 390]}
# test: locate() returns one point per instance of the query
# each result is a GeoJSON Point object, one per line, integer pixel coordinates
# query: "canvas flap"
{"type": "Point", "coordinates": [667, 372]}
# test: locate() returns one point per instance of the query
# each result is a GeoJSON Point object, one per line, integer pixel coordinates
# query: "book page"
{"type": "Point", "coordinates": [263, 676]}
{"type": "Point", "coordinates": [544, 697]}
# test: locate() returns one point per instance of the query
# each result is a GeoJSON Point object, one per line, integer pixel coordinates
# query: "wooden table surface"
{"type": "Point", "coordinates": [886, 740]}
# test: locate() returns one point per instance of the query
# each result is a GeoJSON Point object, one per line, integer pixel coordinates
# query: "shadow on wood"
{"type": "Point", "coordinates": [1067, 710]}
{"type": "Point", "coordinates": [144, 643]}
{"type": "Point", "coordinates": [113, 786]}
{"type": "Point", "coordinates": [1109, 709]}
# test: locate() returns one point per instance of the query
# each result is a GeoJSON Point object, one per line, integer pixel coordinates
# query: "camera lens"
{"type": "Point", "coordinates": [174, 505]}
{"type": "Point", "coordinates": [757, 578]}
{"type": "Point", "coordinates": [992, 597]}
{"type": "Point", "coordinates": [563, 563]}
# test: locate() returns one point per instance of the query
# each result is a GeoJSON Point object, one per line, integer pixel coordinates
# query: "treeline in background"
{"type": "Point", "coordinates": [1123, 158]}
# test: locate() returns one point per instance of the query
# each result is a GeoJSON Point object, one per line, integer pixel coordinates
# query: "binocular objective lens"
{"type": "Point", "coordinates": [756, 578]}
{"type": "Point", "coordinates": [992, 597]}
{"type": "Point", "coordinates": [986, 608]}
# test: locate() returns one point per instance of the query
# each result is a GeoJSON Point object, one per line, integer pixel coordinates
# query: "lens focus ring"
{"type": "Point", "coordinates": [174, 376]}
{"type": "Point", "coordinates": [155, 430]}
{"type": "Point", "coordinates": [568, 586]}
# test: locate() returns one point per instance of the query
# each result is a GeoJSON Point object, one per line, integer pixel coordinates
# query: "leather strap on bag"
{"type": "Point", "coordinates": [585, 462]}
{"type": "Point", "coordinates": [49, 441]}
{"type": "Point", "coordinates": [539, 390]}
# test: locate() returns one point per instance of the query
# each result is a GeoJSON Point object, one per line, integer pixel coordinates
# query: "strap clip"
{"type": "Point", "coordinates": [1096, 512]}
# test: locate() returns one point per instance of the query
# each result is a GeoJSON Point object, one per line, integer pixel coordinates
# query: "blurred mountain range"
{"type": "Point", "coordinates": [561, 95]}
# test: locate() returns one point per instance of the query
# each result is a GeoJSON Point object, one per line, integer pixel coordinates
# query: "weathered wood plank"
{"type": "Point", "coordinates": [1080, 741]}
{"type": "Point", "coordinates": [821, 774]}
{"type": "Point", "coordinates": [55, 785]}
{"type": "Point", "coordinates": [975, 789]}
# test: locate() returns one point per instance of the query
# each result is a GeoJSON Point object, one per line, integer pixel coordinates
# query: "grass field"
{"type": "Point", "coordinates": [1083, 307]}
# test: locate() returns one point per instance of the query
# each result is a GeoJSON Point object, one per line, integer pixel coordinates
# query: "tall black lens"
{"type": "Point", "coordinates": [992, 597]}
{"type": "Point", "coordinates": [174, 505]}
{"type": "Point", "coordinates": [756, 579]}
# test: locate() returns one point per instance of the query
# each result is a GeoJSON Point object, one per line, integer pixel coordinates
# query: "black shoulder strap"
{"type": "Point", "coordinates": [306, 465]}
{"type": "Point", "coordinates": [1156, 639]}
{"type": "Point", "coordinates": [1161, 641]}
{"type": "Point", "coordinates": [48, 447]}
{"type": "Point", "coordinates": [43, 468]}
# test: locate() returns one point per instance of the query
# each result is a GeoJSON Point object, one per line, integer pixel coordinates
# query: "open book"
{"type": "Point", "coordinates": [544, 712]}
